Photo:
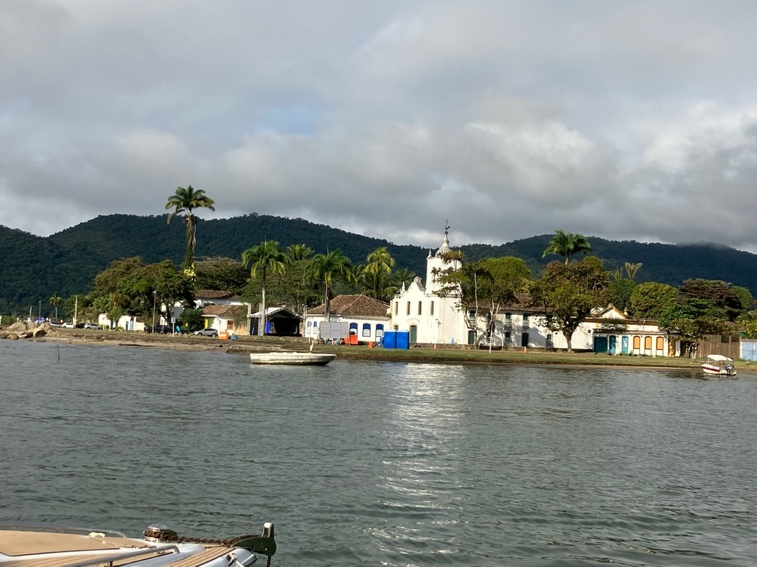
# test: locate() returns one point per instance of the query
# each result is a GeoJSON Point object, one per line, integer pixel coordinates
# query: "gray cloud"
{"type": "Point", "coordinates": [627, 121]}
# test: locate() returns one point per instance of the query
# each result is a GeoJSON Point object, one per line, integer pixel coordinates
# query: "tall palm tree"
{"type": "Point", "coordinates": [567, 244]}
{"type": "Point", "coordinates": [267, 259]}
{"type": "Point", "coordinates": [324, 268]}
{"type": "Point", "coordinates": [56, 300]}
{"type": "Point", "coordinates": [377, 275]}
{"type": "Point", "coordinates": [184, 202]}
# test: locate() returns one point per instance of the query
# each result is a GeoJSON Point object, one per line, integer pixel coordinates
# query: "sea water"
{"type": "Point", "coordinates": [371, 463]}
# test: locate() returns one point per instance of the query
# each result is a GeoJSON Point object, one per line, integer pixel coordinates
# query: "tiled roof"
{"type": "Point", "coordinates": [353, 306]}
{"type": "Point", "coordinates": [226, 311]}
{"type": "Point", "coordinates": [214, 294]}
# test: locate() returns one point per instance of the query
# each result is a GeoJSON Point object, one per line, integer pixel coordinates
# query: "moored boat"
{"type": "Point", "coordinates": [717, 364]}
{"type": "Point", "coordinates": [295, 358]}
{"type": "Point", "coordinates": [39, 546]}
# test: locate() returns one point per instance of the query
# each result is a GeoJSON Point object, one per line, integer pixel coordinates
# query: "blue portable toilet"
{"type": "Point", "coordinates": [390, 339]}
{"type": "Point", "coordinates": [403, 339]}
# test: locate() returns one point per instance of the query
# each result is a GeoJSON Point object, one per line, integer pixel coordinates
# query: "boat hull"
{"type": "Point", "coordinates": [292, 358]}
{"type": "Point", "coordinates": [713, 370]}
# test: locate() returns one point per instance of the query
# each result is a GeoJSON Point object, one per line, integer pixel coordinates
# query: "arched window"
{"type": "Point", "coordinates": [647, 343]}
{"type": "Point", "coordinates": [366, 329]}
{"type": "Point", "coordinates": [353, 328]}
{"type": "Point", "coordinates": [660, 344]}
{"type": "Point", "coordinates": [379, 330]}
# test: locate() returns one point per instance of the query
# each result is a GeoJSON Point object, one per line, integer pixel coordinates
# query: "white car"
{"type": "Point", "coordinates": [67, 325]}
{"type": "Point", "coordinates": [91, 326]}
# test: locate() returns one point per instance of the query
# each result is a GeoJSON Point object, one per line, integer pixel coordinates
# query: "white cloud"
{"type": "Point", "coordinates": [508, 118]}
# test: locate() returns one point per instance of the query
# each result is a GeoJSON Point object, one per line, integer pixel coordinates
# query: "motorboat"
{"type": "Point", "coordinates": [295, 358]}
{"type": "Point", "coordinates": [40, 546]}
{"type": "Point", "coordinates": [719, 365]}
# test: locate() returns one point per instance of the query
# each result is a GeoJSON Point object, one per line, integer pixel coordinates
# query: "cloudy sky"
{"type": "Point", "coordinates": [625, 120]}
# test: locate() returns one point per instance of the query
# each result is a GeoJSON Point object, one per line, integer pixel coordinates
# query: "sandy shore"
{"type": "Point", "coordinates": [456, 355]}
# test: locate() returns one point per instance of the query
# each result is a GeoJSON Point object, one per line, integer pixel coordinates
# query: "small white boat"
{"type": "Point", "coordinates": [717, 364]}
{"type": "Point", "coordinates": [41, 546]}
{"type": "Point", "coordinates": [297, 358]}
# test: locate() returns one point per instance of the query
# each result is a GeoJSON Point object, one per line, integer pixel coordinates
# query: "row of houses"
{"type": "Point", "coordinates": [433, 318]}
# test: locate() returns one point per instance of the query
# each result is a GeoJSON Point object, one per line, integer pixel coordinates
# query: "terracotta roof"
{"type": "Point", "coordinates": [227, 311]}
{"type": "Point", "coordinates": [214, 294]}
{"type": "Point", "coordinates": [353, 306]}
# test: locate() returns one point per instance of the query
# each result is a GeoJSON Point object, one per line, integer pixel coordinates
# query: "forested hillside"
{"type": "Point", "coordinates": [34, 268]}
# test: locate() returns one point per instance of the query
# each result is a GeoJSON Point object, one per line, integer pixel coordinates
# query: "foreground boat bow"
{"type": "Point", "coordinates": [38, 546]}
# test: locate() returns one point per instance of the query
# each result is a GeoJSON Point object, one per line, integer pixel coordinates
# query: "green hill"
{"type": "Point", "coordinates": [33, 268]}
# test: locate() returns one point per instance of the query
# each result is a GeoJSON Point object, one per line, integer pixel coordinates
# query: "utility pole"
{"type": "Point", "coordinates": [154, 293]}
{"type": "Point", "coordinates": [76, 309]}
{"type": "Point", "coordinates": [39, 316]}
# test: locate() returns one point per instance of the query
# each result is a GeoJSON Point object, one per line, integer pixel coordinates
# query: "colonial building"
{"type": "Point", "coordinates": [361, 316]}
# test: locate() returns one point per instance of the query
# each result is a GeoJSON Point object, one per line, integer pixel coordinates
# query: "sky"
{"type": "Point", "coordinates": [630, 120]}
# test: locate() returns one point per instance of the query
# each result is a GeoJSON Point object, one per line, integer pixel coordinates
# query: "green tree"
{"type": "Point", "coordinates": [719, 292]}
{"type": "Point", "coordinates": [184, 201]}
{"type": "Point", "coordinates": [649, 300]}
{"type": "Point", "coordinates": [325, 269]}
{"type": "Point", "coordinates": [693, 318]}
{"type": "Point", "coordinates": [620, 292]}
{"type": "Point", "coordinates": [568, 293]}
{"type": "Point", "coordinates": [567, 244]}
{"type": "Point", "coordinates": [223, 274]}
{"type": "Point", "coordinates": [745, 297]}
{"type": "Point", "coordinates": [265, 259]}
{"type": "Point", "coordinates": [55, 301]}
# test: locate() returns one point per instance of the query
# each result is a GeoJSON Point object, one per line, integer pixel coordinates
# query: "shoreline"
{"type": "Point", "coordinates": [458, 355]}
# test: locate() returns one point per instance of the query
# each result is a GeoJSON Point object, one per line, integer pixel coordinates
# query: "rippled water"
{"type": "Point", "coordinates": [362, 463]}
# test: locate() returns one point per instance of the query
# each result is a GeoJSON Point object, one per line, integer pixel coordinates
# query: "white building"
{"type": "Point", "coordinates": [363, 317]}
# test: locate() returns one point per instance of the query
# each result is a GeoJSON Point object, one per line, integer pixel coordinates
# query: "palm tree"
{"type": "Point", "coordinates": [267, 259]}
{"type": "Point", "coordinates": [298, 252]}
{"type": "Point", "coordinates": [377, 275]}
{"type": "Point", "coordinates": [184, 201]}
{"type": "Point", "coordinates": [325, 268]}
{"type": "Point", "coordinates": [567, 244]}
{"type": "Point", "coordinates": [631, 270]}
{"type": "Point", "coordinates": [56, 300]}
{"type": "Point", "coordinates": [381, 257]}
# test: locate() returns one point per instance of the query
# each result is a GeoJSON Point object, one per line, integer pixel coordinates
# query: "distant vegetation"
{"type": "Point", "coordinates": [35, 269]}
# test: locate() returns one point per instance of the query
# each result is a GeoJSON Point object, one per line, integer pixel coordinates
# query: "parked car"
{"type": "Point", "coordinates": [67, 325]}
{"type": "Point", "coordinates": [91, 326]}
{"type": "Point", "coordinates": [207, 333]}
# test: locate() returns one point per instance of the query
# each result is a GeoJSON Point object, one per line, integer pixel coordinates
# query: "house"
{"type": "Point", "coordinates": [230, 318]}
{"type": "Point", "coordinates": [361, 316]}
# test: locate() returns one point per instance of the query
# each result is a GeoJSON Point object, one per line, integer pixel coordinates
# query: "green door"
{"type": "Point", "coordinates": [613, 344]}
{"type": "Point", "coordinates": [413, 334]}
{"type": "Point", "coordinates": [600, 344]}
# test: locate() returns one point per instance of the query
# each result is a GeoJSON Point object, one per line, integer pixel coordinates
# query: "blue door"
{"type": "Point", "coordinates": [613, 344]}
{"type": "Point", "coordinates": [624, 344]}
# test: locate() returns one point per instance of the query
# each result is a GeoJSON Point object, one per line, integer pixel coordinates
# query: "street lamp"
{"type": "Point", "coordinates": [39, 316]}
{"type": "Point", "coordinates": [154, 293]}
